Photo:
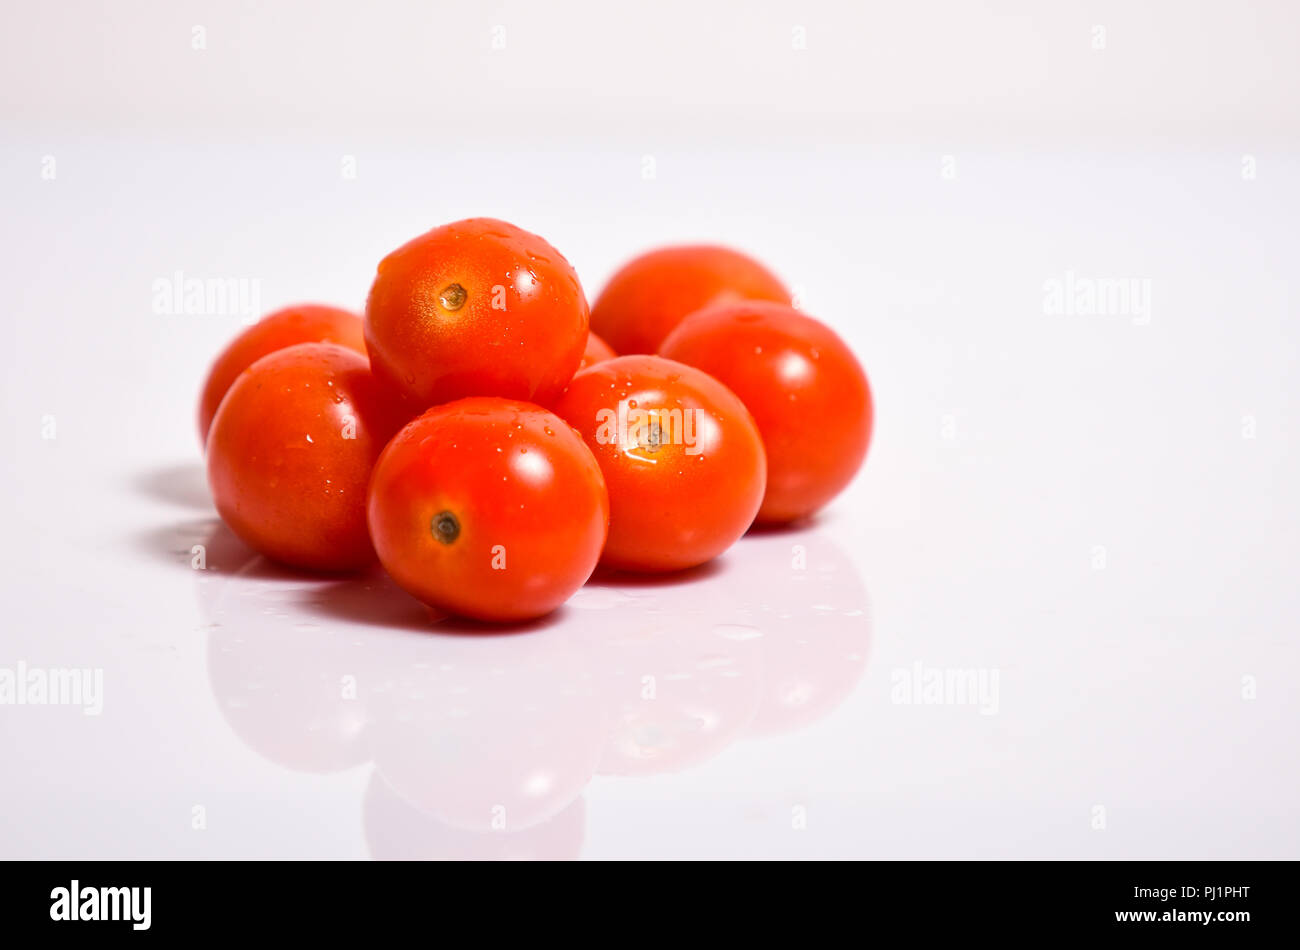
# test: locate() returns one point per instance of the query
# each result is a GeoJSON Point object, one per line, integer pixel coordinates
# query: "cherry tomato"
{"type": "Point", "coordinates": [682, 459]}
{"type": "Point", "coordinates": [476, 308]}
{"type": "Point", "coordinates": [488, 508]}
{"type": "Point", "coordinates": [805, 388]}
{"type": "Point", "coordinates": [306, 323]}
{"type": "Point", "coordinates": [651, 294]}
{"type": "Point", "coordinates": [597, 351]}
{"type": "Point", "coordinates": [290, 453]}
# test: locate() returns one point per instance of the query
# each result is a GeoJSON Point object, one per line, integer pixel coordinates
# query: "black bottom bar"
{"type": "Point", "coordinates": [1179, 900]}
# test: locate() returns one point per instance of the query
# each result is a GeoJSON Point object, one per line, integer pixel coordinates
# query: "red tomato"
{"type": "Point", "coordinates": [652, 293]}
{"type": "Point", "coordinates": [682, 459]}
{"type": "Point", "coordinates": [807, 392]}
{"type": "Point", "coordinates": [476, 308]}
{"type": "Point", "coordinates": [597, 351]}
{"type": "Point", "coordinates": [488, 508]}
{"type": "Point", "coordinates": [306, 323]}
{"type": "Point", "coordinates": [290, 453]}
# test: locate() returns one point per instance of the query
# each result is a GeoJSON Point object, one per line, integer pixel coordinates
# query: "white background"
{"type": "Point", "coordinates": [1100, 509]}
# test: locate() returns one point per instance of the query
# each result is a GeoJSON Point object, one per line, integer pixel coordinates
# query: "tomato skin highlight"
{"type": "Point", "coordinates": [488, 508]}
{"type": "Point", "coordinates": [304, 323]}
{"type": "Point", "coordinates": [475, 308]}
{"type": "Point", "coordinates": [680, 493]}
{"type": "Point", "coordinates": [290, 453]}
{"type": "Point", "coordinates": [597, 351]}
{"type": "Point", "coordinates": [652, 293]}
{"type": "Point", "coordinates": [805, 388]}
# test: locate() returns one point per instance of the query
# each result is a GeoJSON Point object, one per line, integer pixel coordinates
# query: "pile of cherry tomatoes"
{"type": "Point", "coordinates": [479, 433]}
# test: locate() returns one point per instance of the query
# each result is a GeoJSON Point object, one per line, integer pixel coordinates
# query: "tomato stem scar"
{"type": "Point", "coordinates": [452, 296]}
{"type": "Point", "coordinates": [445, 527]}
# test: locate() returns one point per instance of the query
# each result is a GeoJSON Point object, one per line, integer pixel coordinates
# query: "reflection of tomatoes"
{"type": "Point", "coordinates": [398, 831]}
{"type": "Point", "coordinates": [308, 323]}
{"type": "Point", "coordinates": [683, 688]}
{"type": "Point", "coordinates": [682, 460]}
{"type": "Point", "coordinates": [597, 351]}
{"type": "Point", "coordinates": [476, 308]}
{"type": "Point", "coordinates": [806, 390]}
{"type": "Point", "coordinates": [488, 508]}
{"type": "Point", "coordinates": [803, 600]}
{"type": "Point", "coordinates": [489, 734]}
{"type": "Point", "coordinates": [290, 452]}
{"type": "Point", "coordinates": [652, 293]}
{"type": "Point", "coordinates": [285, 686]}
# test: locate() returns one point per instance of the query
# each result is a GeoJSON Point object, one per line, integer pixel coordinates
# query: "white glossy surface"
{"type": "Point", "coordinates": [1100, 510]}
